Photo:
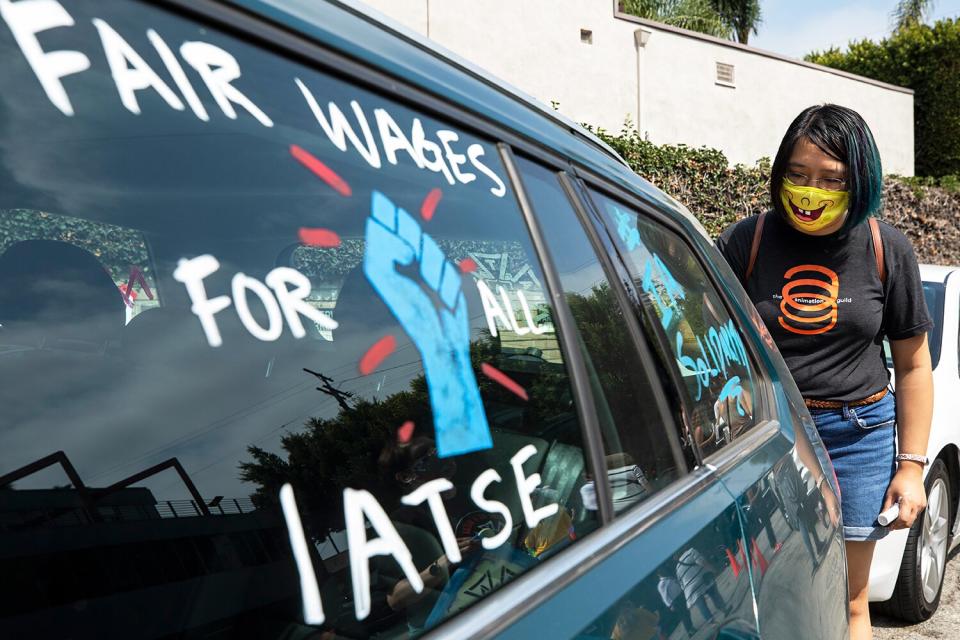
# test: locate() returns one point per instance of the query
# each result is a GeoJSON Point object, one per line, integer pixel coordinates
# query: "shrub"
{"type": "Point", "coordinates": [718, 194]}
{"type": "Point", "coordinates": [701, 178]}
{"type": "Point", "coordinates": [927, 60]}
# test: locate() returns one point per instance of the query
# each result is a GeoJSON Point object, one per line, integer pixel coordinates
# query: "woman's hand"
{"type": "Point", "coordinates": [907, 489]}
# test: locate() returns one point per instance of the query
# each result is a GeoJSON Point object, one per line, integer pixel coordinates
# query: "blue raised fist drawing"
{"type": "Point", "coordinates": [441, 332]}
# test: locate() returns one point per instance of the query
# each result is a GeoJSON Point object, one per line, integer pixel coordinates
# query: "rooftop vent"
{"type": "Point", "coordinates": [586, 36]}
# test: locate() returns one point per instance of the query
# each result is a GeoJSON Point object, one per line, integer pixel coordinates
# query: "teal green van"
{"type": "Point", "coordinates": [309, 331]}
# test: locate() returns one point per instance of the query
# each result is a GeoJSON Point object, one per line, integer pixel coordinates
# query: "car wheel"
{"type": "Point", "coordinates": [917, 594]}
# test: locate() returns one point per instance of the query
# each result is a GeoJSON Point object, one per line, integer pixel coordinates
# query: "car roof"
{"type": "Point", "coordinates": [935, 272]}
{"type": "Point", "coordinates": [361, 33]}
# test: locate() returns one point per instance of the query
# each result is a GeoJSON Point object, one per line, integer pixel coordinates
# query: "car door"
{"type": "Point", "coordinates": [670, 564]}
{"type": "Point", "coordinates": [740, 420]}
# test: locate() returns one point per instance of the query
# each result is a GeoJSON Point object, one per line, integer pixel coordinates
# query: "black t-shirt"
{"type": "Point", "coordinates": [823, 302]}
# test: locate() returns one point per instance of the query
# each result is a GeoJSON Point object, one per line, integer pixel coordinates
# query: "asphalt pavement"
{"type": "Point", "coordinates": [944, 624]}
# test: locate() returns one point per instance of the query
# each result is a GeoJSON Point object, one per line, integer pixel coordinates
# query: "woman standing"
{"type": "Point", "coordinates": [830, 283]}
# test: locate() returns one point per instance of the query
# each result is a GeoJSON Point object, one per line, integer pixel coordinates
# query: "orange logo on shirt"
{"type": "Point", "coordinates": [815, 305]}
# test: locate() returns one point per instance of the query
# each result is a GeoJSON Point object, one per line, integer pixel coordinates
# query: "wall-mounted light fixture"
{"type": "Point", "coordinates": [641, 37]}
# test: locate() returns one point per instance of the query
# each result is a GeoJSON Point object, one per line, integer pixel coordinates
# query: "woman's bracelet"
{"type": "Point", "coordinates": [913, 457]}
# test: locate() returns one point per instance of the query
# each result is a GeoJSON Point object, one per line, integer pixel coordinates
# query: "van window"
{"type": "Point", "coordinates": [276, 349]}
{"type": "Point", "coordinates": [636, 443]}
{"type": "Point", "coordinates": [705, 346]}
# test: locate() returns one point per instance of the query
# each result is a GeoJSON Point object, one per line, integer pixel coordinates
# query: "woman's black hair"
{"type": "Point", "coordinates": [843, 134]}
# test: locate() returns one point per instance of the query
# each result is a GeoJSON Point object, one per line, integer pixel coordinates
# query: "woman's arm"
{"type": "Point", "coordinates": [914, 377]}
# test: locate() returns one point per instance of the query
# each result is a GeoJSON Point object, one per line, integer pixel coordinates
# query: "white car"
{"type": "Point", "coordinates": [908, 565]}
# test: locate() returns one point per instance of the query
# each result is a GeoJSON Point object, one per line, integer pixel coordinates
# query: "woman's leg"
{"type": "Point", "coordinates": [859, 557]}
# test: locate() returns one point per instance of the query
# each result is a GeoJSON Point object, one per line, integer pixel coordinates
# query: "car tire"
{"type": "Point", "coordinates": [917, 593]}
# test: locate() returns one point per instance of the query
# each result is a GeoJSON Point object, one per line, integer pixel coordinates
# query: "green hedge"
{"type": "Point", "coordinates": [701, 178]}
{"type": "Point", "coordinates": [927, 60]}
{"type": "Point", "coordinates": [719, 194]}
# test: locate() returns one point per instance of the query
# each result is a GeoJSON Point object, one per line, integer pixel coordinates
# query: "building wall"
{"type": "Point", "coordinates": [685, 104]}
{"type": "Point", "coordinates": [666, 88]}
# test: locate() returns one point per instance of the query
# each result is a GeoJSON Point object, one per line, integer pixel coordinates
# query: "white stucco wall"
{"type": "Point", "coordinates": [685, 104]}
{"type": "Point", "coordinates": [669, 83]}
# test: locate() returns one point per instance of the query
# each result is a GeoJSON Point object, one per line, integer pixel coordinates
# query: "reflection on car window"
{"type": "Point", "coordinates": [637, 447]}
{"type": "Point", "coordinates": [934, 294]}
{"type": "Point", "coordinates": [706, 347]}
{"type": "Point", "coordinates": [684, 596]}
{"type": "Point", "coordinates": [122, 252]}
{"type": "Point", "coordinates": [275, 349]}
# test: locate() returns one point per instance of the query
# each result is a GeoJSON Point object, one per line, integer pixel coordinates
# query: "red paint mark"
{"type": "Point", "coordinates": [377, 354]}
{"type": "Point", "coordinates": [467, 265]}
{"type": "Point", "coordinates": [429, 206]}
{"type": "Point", "coordinates": [503, 379]}
{"type": "Point", "coordinates": [136, 277]}
{"type": "Point", "coordinates": [405, 432]}
{"type": "Point", "coordinates": [319, 237]}
{"type": "Point", "coordinates": [321, 170]}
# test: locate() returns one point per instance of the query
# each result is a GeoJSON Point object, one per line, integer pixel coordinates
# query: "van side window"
{"type": "Point", "coordinates": [276, 351]}
{"type": "Point", "coordinates": [638, 452]}
{"type": "Point", "coordinates": [706, 348]}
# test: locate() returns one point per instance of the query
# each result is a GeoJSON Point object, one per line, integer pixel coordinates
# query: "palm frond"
{"type": "Point", "coordinates": [695, 15]}
{"type": "Point", "coordinates": [908, 13]}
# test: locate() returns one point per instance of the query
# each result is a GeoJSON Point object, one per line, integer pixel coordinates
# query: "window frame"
{"type": "Point", "coordinates": [566, 329]}
{"type": "Point", "coordinates": [636, 334]}
{"type": "Point", "coordinates": [681, 401]}
{"type": "Point", "coordinates": [767, 407]}
{"type": "Point", "coordinates": [616, 275]}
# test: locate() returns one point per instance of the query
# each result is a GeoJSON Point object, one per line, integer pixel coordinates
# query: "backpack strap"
{"type": "Point", "coordinates": [755, 247]}
{"type": "Point", "coordinates": [878, 249]}
{"type": "Point", "coordinates": [874, 232]}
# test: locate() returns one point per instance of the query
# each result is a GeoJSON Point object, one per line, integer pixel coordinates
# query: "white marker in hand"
{"type": "Point", "coordinates": [889, 515]}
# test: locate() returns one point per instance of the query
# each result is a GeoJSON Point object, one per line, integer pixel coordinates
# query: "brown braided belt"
{"type": "Point", "coordinates": [836, 404]}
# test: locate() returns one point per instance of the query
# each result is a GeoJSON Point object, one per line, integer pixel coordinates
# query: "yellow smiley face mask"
{"type": "Point", "coordinates": [810, 208]}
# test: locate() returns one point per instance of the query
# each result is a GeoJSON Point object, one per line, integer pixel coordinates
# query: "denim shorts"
{"type": "Point", "coordinates": [861, 444]}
